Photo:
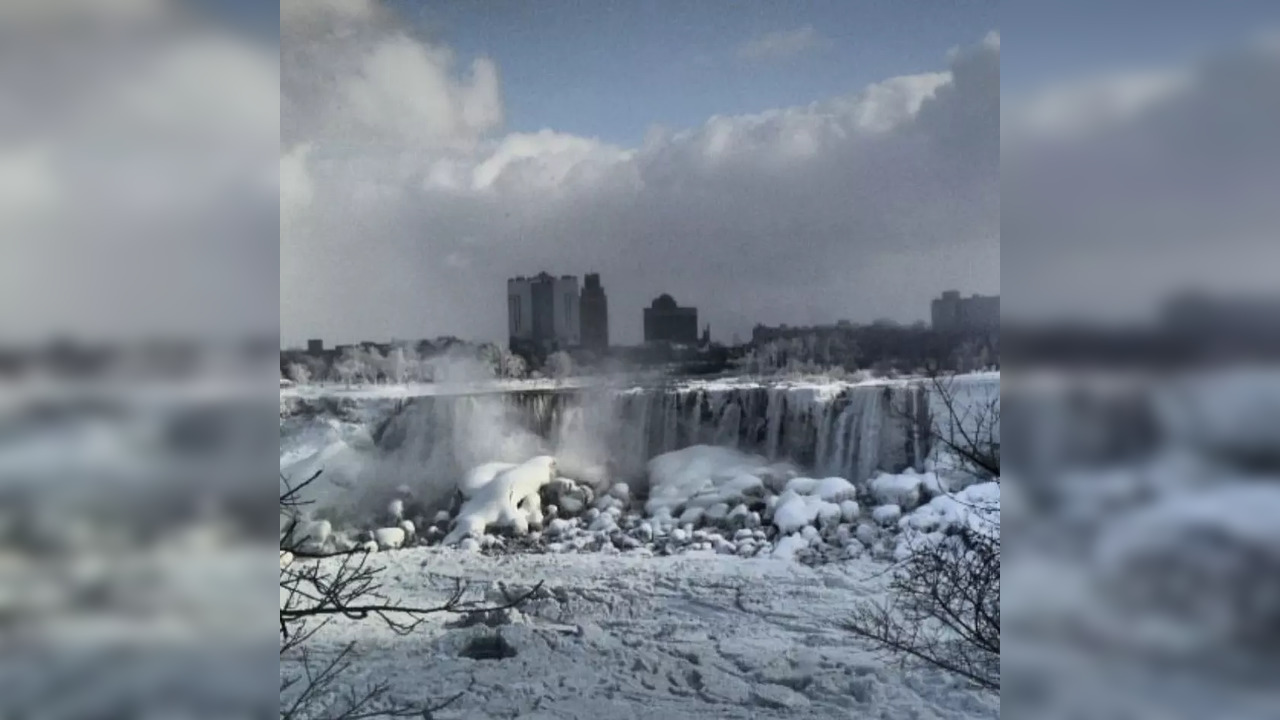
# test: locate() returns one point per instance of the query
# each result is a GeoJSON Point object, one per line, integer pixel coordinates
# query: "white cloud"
{"type": "Point", "coordinates": [150, 192]}
{"type": "Point", "coordinates": [782, 44]}
{"type": "Point", "coordinates": [352, 77]}
{"type": "Point", "coordinates": [752, 218]}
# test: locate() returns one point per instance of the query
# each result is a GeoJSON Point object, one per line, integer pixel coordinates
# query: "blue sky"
{"type": "Point", "coordinates": [612, 69]}
{"type": "Point", "coordinates": [1046, 41]}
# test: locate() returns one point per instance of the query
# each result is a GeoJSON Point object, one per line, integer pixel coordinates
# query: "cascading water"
{"type": "Point", "coordinates": [850, 431]}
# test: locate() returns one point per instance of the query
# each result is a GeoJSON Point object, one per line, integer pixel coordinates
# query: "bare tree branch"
{"type": "Point", "coordinates": [317, 587]}
{"type": "Point", "coordinates": [943, 602]}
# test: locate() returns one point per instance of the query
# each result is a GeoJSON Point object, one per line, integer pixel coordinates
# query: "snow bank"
{"type": "Point", "coordinates": [624, 636]}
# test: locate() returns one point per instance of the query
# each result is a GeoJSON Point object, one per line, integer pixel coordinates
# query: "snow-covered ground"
{"type": "Point", "coordinates": [715, 586]}
{"type": "Point", "coordinates": [633, 636]}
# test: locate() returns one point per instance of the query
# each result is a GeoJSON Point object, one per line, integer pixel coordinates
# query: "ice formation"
{"type": "Point", "coordinates": [510, 499]}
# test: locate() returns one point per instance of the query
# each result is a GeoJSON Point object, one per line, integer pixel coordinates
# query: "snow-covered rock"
{"type": "Point", "coordinates": [835, 490]}
{"type": "Point", "coordinates": [499, 502]}
{"type": "Point", "coordinates": [480, 476]}
{"type": "Point", "coordinates": [389, 538]}
{"type": "Point", "coordinates": [886, 514]}
{"type": "Point", "coordinates": [410, 530]}
{"type": "Point", "coordinates": [306, 534]}
{"type": "Point", "coordinates": [788, 546]}
{"type": "Point", "coordinates": [867, 534]}
{"type": "Point", "coordinates": [702, 476]}
{"type": "Point", "coordinates": [902, 490]}
{"type": "Point", "coordinates": [560, 527]}
{"type": "Point", "coordinates": [798, 511]}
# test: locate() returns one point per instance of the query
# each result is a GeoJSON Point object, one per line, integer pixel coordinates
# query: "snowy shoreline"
{"type": "Point", "coordinates": [629, 636]}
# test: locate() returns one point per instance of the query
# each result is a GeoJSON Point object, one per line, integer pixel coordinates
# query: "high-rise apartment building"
{"type": "Point", "coordinates": [594, 308]}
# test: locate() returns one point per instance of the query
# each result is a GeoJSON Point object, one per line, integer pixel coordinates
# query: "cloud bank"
{"type": "Point", "coordinates": [405, 205]}
{"type": "Point", "coordinates": [1123, 188]}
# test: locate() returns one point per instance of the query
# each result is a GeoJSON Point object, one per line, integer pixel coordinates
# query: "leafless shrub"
{"type": "Point", "coordinates": [318, 587]}
{"type": "Point", "coordinates": [943, 608]}
{"type": "Point", "coordinates": [943, 601]}
{"type": "Point", "coordinates": [968, 428]}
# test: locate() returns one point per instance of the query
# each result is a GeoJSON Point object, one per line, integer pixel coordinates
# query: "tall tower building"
{"type": "Point", "coordinates": [543, 311]}
{"type": "Point", "coordinates": [595, 313]}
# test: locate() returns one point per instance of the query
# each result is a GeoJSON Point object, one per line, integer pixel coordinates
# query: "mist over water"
{"type": "Point", "coordinates": [372, 448]}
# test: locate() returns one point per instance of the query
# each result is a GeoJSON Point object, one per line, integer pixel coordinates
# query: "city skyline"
{"type": "Point", "coordinates": [419, 170]}
{"type": "Point", "coordinates": [984, 318]}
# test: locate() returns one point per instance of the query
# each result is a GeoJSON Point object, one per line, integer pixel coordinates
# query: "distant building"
{"type": "Point", "coordinates": [315, 346]}
{"type": "Point", "coordinates": [543, 311]}
{"type": "Point", "coordinates": [975, 314]}
{"type": "Point", "coordinates": [665, 321]}
{"type": "Point", "coordinates": [594, 309]}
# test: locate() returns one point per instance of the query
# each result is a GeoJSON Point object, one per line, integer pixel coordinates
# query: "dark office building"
{"type": "Point", "coordinates": [315, 347]}
{"type": "Point", "coordinates": [952, 313]}
{"type": "Point", "coordinates": [665, 321]}
{"type": "Point", "coordinates": [594, 313]}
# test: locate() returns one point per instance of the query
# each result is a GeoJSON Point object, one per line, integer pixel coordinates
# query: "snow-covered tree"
{"type": "Point", "coordinates": [398, 365]}
{"type": "Point", "coordinates": [511, 366]}
{"type": "Point", "coordinates": [350, 367]}
{"type": "Point", "coordinates": [559, 364]}
{"type": "Point", "coordinates": [300, 373]}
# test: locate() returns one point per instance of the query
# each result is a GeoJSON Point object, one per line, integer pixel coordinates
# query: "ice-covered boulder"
{"type": "Point", "coordinates": [389, 538]}
{"type": "Point", "coordinates": [902, 490]}
{"type": "Point", "coordinates": [702, 476]}
{"type": "Point", "coordinates": [481, 475]}
{"type": "Point", "coordinates": [508, 500]}
{"type": "Point", "coordinates": [795, 512]}
{"type": "Point", "coordinates": [886, 514]}
{"type": "Point", "coordinates": [410, 530]}
{"type": "Point", "coordinates": [835, 490]}
{"type": "Point", "coordinates": [305, 534]}
{"type": "Point", "coordinates": [569, 497]}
